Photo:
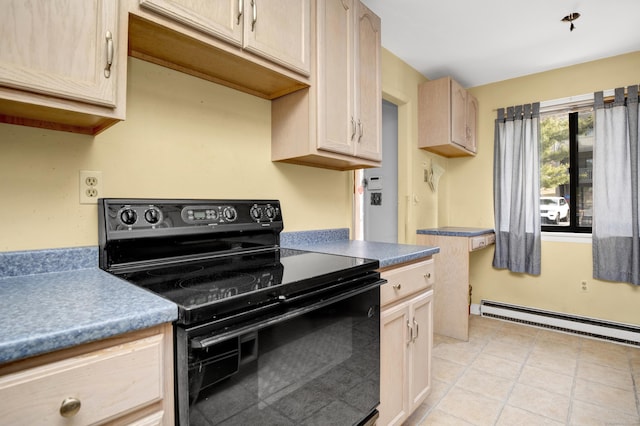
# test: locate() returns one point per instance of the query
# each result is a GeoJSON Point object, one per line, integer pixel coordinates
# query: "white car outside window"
{"type": "Point", "coordinates": [554, 209]}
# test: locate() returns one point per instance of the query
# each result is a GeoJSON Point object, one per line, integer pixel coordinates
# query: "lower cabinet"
{"type": "Point", "coordinates": [123, 380]}
{"type": "Point", "coordinates": [406, 339]}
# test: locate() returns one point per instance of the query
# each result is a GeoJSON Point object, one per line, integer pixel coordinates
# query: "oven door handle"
{"type": "Point", "coordinates": [210, 340]}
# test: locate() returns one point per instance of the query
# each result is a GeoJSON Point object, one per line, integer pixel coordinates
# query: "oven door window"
{"type": "Point", "coordinates": [322, 367]}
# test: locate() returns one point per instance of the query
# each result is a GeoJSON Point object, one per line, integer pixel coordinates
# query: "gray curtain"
{"type": "Point", "coordinates": [516, 189]}
{"type": "Point", "coordinates": [616, 244]}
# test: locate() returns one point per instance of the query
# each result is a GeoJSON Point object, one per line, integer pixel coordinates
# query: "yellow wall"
{"type": "Point", "coordinates": [418, 206]}
{"type": "Point", "coordinates": [183, 137]}
{"type": "Point", "coordinates": [564, 265]}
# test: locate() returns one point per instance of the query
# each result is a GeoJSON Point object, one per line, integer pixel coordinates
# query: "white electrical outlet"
{"type": "Point", "coordinates": [584, 286]}
{"type": "Point", "coordinates": [90, 186]}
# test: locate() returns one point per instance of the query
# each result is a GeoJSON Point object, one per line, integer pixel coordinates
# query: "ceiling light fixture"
{"type": "Point", "coordinates": [570, 18]}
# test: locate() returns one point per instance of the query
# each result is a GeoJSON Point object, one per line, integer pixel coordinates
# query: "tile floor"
{"type": "Point", "coordinates": [514, 374]}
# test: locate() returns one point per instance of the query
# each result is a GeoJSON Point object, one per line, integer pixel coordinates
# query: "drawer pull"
{"type": "Point", "coordinates": [427, 275]}
{"type": "Point", "coordinates": [70, 407]}
{"type": "Point", "coordinates": [397, 286]}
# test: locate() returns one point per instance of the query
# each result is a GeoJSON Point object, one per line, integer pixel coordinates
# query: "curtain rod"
{"type": "Point", "coordinates": [569, 102]}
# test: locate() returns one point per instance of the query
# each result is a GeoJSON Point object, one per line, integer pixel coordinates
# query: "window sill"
{"type": "Point", "coordinates": [566, 237]}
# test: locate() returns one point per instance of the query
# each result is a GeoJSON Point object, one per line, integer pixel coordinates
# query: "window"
{"type": "Point", "coordinates": [566, 156]}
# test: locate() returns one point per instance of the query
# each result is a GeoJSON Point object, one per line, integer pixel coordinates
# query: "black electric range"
{"type": "Point", "coordinates": [240, 296]}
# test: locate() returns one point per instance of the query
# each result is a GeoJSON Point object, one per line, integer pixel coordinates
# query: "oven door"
{"type": "Point", "coordinates": [318, 362]}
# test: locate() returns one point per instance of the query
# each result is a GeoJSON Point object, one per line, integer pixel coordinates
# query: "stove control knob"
{"type": "Point", "coordinates": [128, 216]}
{"type": "Point", "coordinates": [271, 212]}
{"type": "Point", "coordinates": [230, 214]}
{"type": "Point", "coordinates": [256, 213]}
{"type": "Point", "coordinates": [152, 215]}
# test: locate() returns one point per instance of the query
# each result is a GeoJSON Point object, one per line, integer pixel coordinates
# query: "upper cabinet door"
{"type": "Point", "coordinates": [219, 18]}
{"type": "Point", "coordinates": [368, 84]}
{"type": "Point", "coordinates": [458, 113]}
{"type": "Point", "coordinates": [472, 123]}
{"type": "Point", "coordinates": [335, 59]}
{"type": "Point", "coordinates": [60, 49]}
{"type": "Point", "coordinates": [279, 31]}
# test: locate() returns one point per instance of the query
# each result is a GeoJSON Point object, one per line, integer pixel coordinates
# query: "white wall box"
{"type": "Point", "coordinates": [406, 340]}
{"type": "Point", "coordinates": [62, 64]}
{"type": "Point", "coordinates": [336, 122]}
{"type": "Point", "coordinates": [447, 118]}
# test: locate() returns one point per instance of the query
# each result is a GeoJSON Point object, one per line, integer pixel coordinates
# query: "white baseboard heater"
{"type": "Point", "coordinates": [590, 327]}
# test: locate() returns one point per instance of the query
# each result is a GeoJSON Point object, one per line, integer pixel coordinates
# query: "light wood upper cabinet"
{"type": "Point", "coordinates": [62, 65]}
{"type": "Point", "coordinates": [447, 118]}
{"type": "Point", "coordinates": [278, 31]}
{"type": "Point", "coordinates": [336, 122]}
{"type": "Point", "coordinates": [221, 18]}
{"type": "Point", "coordinates": [368, 85]}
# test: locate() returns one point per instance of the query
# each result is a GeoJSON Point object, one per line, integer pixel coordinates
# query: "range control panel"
{"type": "Point", "coordinates": [143, 214]}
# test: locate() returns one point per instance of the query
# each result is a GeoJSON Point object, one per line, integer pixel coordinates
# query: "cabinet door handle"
{"type": "Point", "coordinates": [361, 130]}
{"type": "Point", "coordinates": [107, 69]}
{"type": "Point", "coordinates": [353, 128]}
{"type": "Point", "coordinates": [70, 407]}
{"type": "Point", "coordinates": [410, 332]}
{"type": "Point", "coordinates": [417, 328]}
{"type": "Point", "coordinates": [254, 8]}
{"type": "Point", "coordinates": [240, 10]}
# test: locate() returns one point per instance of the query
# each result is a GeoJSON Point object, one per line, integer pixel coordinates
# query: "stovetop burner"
{"type": "Point", "coordinates": [213, 283]}
{"type": "Point", "coordinates": [180, 270]}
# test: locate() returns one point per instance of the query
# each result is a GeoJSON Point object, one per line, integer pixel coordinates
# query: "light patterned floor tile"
{"type": "Point", "coordinates": [598, 373]}
{"type": "Point", "coordinates": [486, 384]}
{"type": "Point", "coordinates": [498, 366]}
{"type": "Point", "coordinates": [472, 407]}
{"type": "Point", "coordinates": [513, 416]}
{"type": "Point", "coordinates": [548, 380]}
{"type": "Point", "coordinates": [440, 418]}
{"type": "Point", "coordinates": [605, 396]}
{"type": "Point", "coordinates": [585, 414]}
{"type": "Point", "coordinates": [536, 400]}
{"type": "Point", "coordinates": [445, 370]}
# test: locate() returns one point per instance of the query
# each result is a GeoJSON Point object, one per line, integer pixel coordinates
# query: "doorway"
{"type": "Point", "coordinates": [380, 203]}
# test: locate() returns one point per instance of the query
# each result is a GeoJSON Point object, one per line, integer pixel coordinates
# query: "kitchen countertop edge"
{"type": "Point", "coordinates": [455, 231]}
{"type": "Point", "coordinates": [388, 254]}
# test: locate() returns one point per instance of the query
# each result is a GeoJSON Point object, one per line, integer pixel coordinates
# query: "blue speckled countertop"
{"type": "Point", "coordinates": [388, 254]}
{"type": "Point", "coordinates": [456, 231]}
{"type": "Point", "coordinates": [47, 311]}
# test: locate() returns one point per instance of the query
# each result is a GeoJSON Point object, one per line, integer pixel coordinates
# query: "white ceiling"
{"type": "Point", "coordinates": [483, 41]}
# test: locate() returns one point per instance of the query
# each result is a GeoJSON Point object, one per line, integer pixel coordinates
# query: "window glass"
{"type": "Point", "coordinates": [554, 169]}
{"type": "Point", "coordinates": [584, 193]}
{"type": "Point", "coordinates": [566, 159]}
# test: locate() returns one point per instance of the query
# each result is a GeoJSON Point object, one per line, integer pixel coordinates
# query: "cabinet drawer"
{"type": "Point", "coordinates": [481, 241]}
{"type": "Point", "coordinates": [406, 280]}
{"type": "Point", "coordinates": [108, 383]}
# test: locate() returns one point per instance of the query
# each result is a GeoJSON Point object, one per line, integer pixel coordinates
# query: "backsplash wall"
{"type": "Point", "coordinates": [183, 138]}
